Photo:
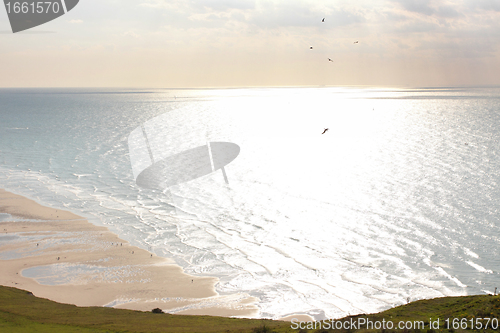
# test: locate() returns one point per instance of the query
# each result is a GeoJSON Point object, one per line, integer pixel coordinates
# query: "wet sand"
{"type": "Point", "coordinates": [61, 256]}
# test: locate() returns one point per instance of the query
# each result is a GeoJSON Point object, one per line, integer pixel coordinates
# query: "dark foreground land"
{"type": "Point", "coordinates": [20, 311]}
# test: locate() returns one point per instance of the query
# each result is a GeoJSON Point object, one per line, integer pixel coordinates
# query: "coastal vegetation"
{"type": "Point", "coordinates": [21, 311]}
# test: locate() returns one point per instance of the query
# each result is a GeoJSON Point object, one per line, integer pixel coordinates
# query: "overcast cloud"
{"type": "Point", "coordinates": [261, 42]}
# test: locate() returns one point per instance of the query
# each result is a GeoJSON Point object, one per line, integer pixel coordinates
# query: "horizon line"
{"type": "Point", "coordinates": [368, 86]}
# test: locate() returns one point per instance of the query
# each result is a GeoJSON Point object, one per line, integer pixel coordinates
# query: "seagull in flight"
{"type": "Point", "coordinates": [326, 129]}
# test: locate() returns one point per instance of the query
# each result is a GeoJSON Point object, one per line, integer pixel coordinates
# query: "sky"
{"type": "Point", "coordinates": [248, 43]}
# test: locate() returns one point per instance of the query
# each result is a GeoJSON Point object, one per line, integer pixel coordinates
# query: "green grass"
{"type": "Point", "coordinates": [22, 312]}
{"type": "Point", "coordinates": [426, 311]}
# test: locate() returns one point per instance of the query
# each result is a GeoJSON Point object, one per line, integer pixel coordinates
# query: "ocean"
{"type": "Point", "coordinates": [397, 201]}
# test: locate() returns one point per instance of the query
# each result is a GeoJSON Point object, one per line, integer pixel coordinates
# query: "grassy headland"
{"type": "Point", "coordinates": [20, 311]}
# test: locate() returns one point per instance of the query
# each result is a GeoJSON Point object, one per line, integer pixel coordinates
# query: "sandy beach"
{"type": "Point", "coordinates": [61, 256]}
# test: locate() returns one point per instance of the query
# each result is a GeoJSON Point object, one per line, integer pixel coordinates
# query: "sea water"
{"type": "Point", "coordinates": [398, 200]}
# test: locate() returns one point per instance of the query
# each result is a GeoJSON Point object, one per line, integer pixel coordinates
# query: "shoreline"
{"type": "Point", "coordinates": [59, 255]}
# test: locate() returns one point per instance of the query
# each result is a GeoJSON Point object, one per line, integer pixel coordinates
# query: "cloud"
{"type": "Point", "coordinates": [296, 15]}
{"type": "Point", "coordinates": [437, 8]}
{"type": "Point", "coordinates": [270, 34]}
{"type": "Point", "coordinates": [260, 14]}
{"type": "Point", "coordinates": [131, 34]}
{"type": "Point", "coordinates": [488, 5]}
{"type": "Point", "coordinates": [195, 6]}
{"type": "Point", "coordinates": [393, 28]}
{"type": "Point", "coordinates": [417, 6]}
{"type": "Point", "coordinates": [222, 5]}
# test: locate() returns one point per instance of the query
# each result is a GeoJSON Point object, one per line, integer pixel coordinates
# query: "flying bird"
{"type": "Point", "coordinates": [330, 60]}
{"type": "Point", "coordinates": [326, 129]}
{"type": "Point", "coordinates": [323, 20]}
{"type": "Point", "coordinates": [310, 47]}
{"type": "Point", "coordinates": [356, 42]}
